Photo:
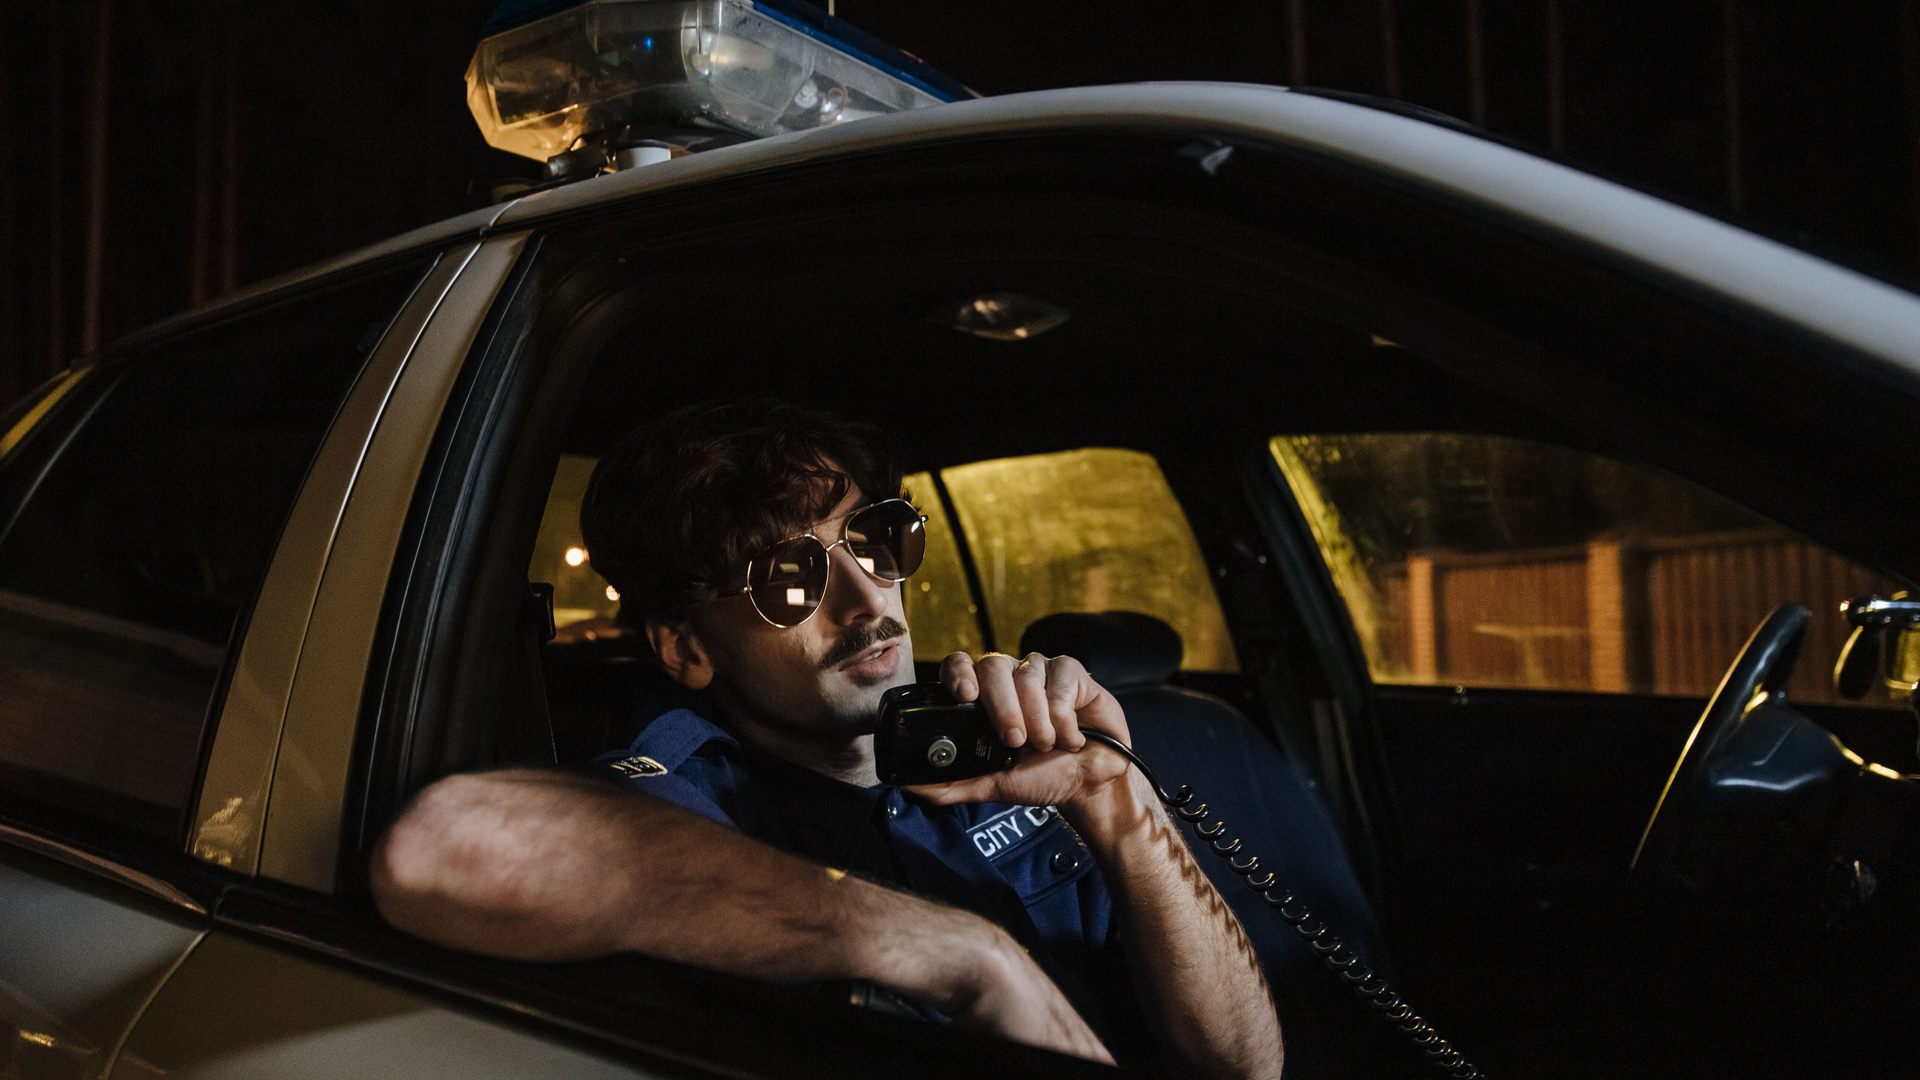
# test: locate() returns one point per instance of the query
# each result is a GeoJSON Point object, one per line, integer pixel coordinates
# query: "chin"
{"type": "Point", "coordinates": [857, 705]}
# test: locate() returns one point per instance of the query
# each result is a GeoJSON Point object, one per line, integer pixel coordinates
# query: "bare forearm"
{"type": "Point", "coordinates": [540, 865]}
{"type": "Point", "coordinates": [1205, 990]}
{"type": "Point", "coordinates": [544, 866]}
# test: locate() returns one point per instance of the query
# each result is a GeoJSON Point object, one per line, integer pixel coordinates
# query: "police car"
{"type": "Point", "coordinates": [1460, 477]}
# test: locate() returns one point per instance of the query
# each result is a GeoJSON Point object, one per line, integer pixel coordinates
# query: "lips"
{"type": "Point", "coordinates": [874, 665]}
{"type": "Point", "coordinates": [860, 641]}
{"type": "Point", "coordinates": [882, 659]}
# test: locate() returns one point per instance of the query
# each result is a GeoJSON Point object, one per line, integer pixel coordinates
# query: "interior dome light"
{"type": "Point", "coordinates": [1003, 316]}
{"type": "Point", "coordinates": [551, 77]}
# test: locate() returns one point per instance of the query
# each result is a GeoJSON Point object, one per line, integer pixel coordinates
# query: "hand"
{"type": "Point", "coordinates": [1007, 994]}
{"type": "Point", "coordinates": [1039, 706]}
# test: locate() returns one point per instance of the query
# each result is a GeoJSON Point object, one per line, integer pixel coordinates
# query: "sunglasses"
{"type": "Point", "coordinates": [787, 581]}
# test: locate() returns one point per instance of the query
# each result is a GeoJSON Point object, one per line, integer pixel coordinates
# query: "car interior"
{"type": "Point", "coordinates": [1272, 480]}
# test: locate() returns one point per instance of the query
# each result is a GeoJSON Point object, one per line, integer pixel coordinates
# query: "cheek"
{"type": "Point", "coordinates": [776, 661]}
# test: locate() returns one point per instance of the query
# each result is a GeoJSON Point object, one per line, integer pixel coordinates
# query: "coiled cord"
{"type": "Point", "coordinates": [1341, 960]}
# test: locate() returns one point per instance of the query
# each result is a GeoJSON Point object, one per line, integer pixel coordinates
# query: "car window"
{"type": "Point", "coordinates": [940, 609]}
{"type": "Point", "coordinates": [580, 596]}
{"type": "Point", "coordinates": [1481, 560]}
{"type": "Point", "coordinates": [1086, 530]}
{"type": "Point", "coordinates": [126, 570]}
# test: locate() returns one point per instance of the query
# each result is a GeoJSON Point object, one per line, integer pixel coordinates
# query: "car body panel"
{"type": "Point", "coordinates": [299, 843]}
{"type": "Point", "coordinates": [227, 823]}
{"type": "Point", "coordinates": [100, 866]}
{"type": "Point", "coordinates": [473, 225]}
{"type": "Point", "coordinates": [241, 1008]}
{"type": "Point", "coordinates": [40, 408]}
{"type": "Point", "coordinates": [77, 969]}
{"type": "Point", "coordinates": [1732, 263]}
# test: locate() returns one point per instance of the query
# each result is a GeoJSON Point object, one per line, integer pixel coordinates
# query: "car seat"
{"type": "Point", "coordinates": [1197, 739]}
{"type": "Point", "coordinates": [601, 691]}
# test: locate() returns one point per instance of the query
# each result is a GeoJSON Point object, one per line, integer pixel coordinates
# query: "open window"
{"type": "Point", "coordinates": [1130, 451]}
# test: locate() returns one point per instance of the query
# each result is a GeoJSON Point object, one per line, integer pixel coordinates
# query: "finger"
{"type": "Point", "coordinates": [956, 674]}
{"type": "Point", "coordinates": [999, 699]}
{"type": "Point", "coordinates": [1030, 683]}
{"type": "Point", "coordinates": [1063, 694]}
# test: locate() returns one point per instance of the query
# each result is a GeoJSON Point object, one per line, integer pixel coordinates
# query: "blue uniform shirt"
{"type": "Point", "coordinates": [1020, 866]}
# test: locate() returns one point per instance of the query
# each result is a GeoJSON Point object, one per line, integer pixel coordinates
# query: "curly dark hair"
{"type": "Point", "coordinates": [674, 512]}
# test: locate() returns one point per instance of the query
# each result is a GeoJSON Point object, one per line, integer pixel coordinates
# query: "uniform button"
{"type": "Point", "coordinates": [1064, 861]}
{"type": "Point", "coordinates": [893, 811]}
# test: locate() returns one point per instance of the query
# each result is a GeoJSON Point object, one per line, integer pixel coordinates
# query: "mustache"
{"type": "Point", "coordinates": [862, 639]}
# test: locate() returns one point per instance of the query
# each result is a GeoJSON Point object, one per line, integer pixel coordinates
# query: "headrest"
{"type": "Point", "coordinates": [1120, 648]}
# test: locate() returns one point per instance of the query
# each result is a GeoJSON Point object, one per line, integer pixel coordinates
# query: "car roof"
{"type": "Point", "coordinates": [1704, 254]}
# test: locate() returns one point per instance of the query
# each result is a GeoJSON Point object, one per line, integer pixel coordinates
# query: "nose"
{"type": "Point", "coordinates": [853, 594]}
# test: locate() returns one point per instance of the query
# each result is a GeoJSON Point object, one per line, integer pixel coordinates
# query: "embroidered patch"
{"type": "Point", "coordinates": [639, 766]}
{"type": "Point", "coordinates": [1010, 829]}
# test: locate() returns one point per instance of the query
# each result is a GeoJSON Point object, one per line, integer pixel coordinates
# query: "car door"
{"type": "Point", "coordinates": [255, 997]}
{"type": "Point", "coordinates": [140, 501]}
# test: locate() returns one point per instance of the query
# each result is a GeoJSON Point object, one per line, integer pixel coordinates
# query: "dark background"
{"type": "Point", "coordinates": [157, 153]}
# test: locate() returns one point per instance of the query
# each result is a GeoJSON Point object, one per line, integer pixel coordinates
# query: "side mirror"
{"type": "Point", "coordinates": [1900, 658]}
{"type": "Point", "coordinates": [1885, 643]}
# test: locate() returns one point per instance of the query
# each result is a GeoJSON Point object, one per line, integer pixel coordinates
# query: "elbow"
{"type": "Point", "coordinates": [473, 864]}
{"type": "Point", "coordinates": [393, 873]}
{"type": "Point", "coordinates": [425, 861]}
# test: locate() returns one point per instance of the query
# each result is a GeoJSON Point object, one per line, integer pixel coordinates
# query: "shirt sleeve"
{"type": "Point", "coordinates": [639, 774]}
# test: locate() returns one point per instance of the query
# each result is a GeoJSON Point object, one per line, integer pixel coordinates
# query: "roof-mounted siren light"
{"type": "Point", "coordinates": [585, 85]}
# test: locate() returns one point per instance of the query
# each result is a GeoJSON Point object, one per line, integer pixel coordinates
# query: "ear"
{"type": "Point", "coordinates": [681, 653]}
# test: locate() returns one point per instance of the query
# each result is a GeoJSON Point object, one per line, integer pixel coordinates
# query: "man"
{"type": "Point", "coordinates": [759, 547]}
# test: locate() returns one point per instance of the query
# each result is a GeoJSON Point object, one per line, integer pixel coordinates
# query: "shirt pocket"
{"type": "Point", "coordinates": [1033, 850]}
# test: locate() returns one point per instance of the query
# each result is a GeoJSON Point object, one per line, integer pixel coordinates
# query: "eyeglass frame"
{"type": "Point", "coordinates": [827, 552]}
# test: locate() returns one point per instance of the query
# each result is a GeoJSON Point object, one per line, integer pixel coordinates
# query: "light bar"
{"type": "Point", "coordinates": [754, 68]}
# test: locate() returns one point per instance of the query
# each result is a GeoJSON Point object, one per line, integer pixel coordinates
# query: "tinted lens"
{"type": "Point", "coordinates": [888, 539]}
{"type": "Point", "coordinates": [787, 580]}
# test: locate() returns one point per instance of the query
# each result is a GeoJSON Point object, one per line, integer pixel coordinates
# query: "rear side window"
{"type": "Point", "coordinates": [140, 543]}
{"type": "Point", "coordinates": [581, 597]}
{"type": "Point", "coordinates": [1480, 560]}
{"type": "Point", "coordinates": [1086, 530]}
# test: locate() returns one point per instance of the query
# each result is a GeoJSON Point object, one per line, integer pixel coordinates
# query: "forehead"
{"type": "Point", "coordinates": [834, 518]}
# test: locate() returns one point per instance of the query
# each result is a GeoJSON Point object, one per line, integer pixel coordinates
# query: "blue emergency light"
{"type": "Point", "coordinates": [552, 78]}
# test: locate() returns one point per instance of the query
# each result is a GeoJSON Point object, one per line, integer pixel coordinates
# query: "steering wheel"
{"type": "Point", "coordinates": [1758, 676]}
